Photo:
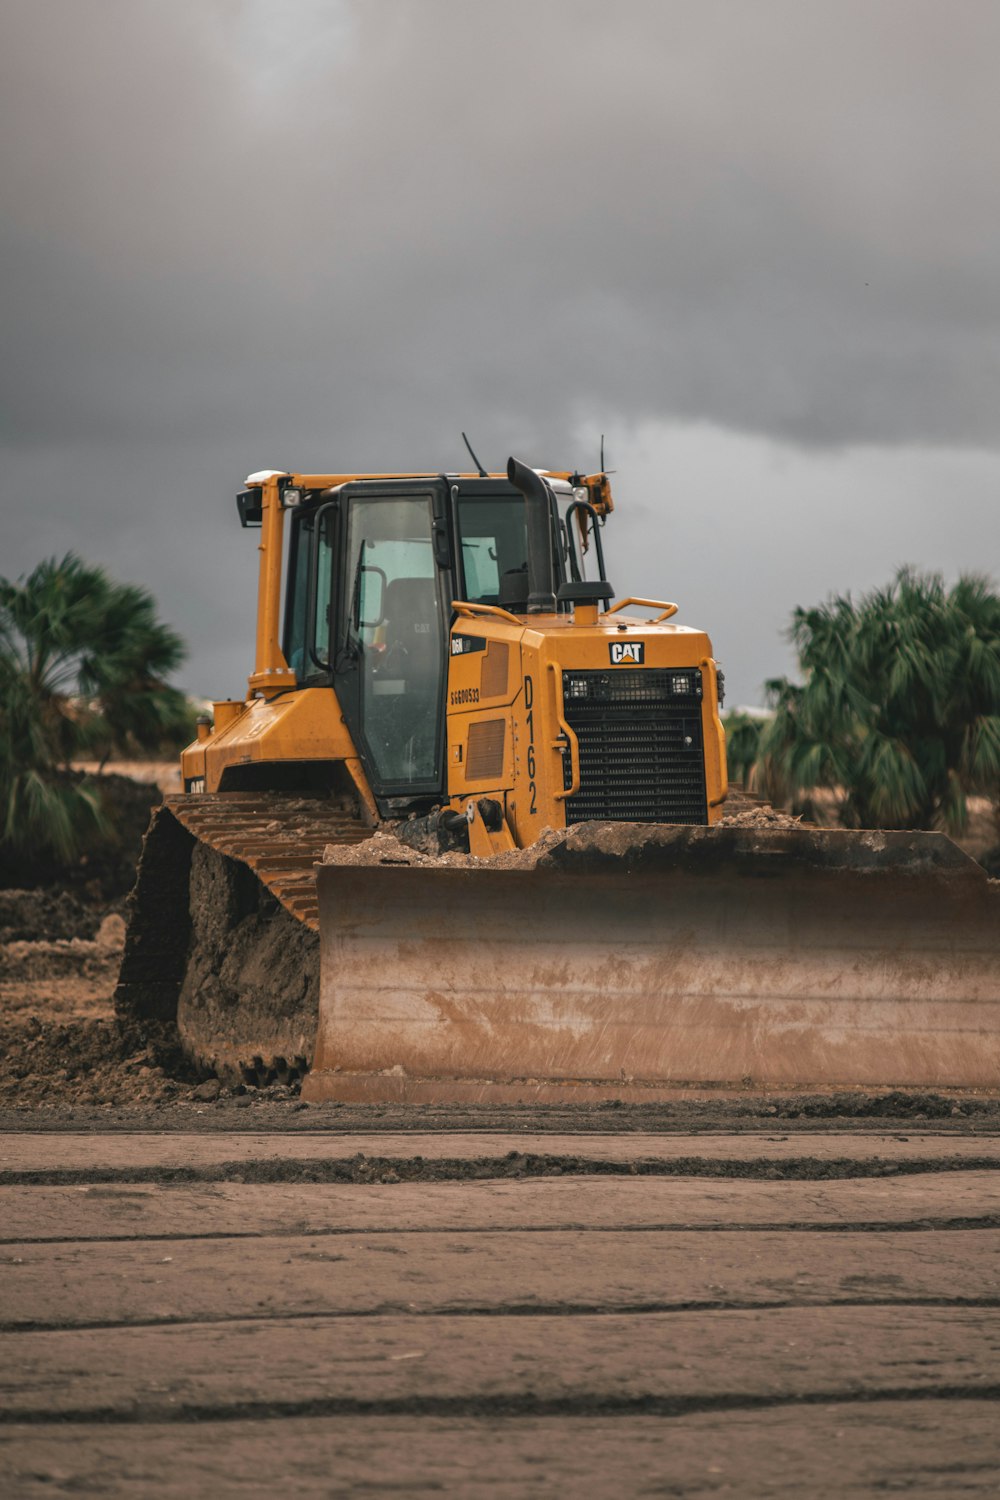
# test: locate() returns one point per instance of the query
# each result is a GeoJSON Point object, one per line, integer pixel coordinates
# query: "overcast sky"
{"type": "Point", "coordinates": [755, 242]}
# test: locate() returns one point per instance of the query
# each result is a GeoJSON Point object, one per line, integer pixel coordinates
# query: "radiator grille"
{"type": "Point", "coordinates": [484, 752]}
{"type": "Point", "coordinates": [641, 750]}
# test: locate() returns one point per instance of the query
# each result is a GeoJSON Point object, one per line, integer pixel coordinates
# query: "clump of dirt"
{"type": "Point", "coordinates": [759, 817]}
{"type": "Point", "coordinates": [384, 848]}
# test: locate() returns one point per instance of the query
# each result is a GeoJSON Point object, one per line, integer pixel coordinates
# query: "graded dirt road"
{"type": "Point", "coordinates": [766, 1313]}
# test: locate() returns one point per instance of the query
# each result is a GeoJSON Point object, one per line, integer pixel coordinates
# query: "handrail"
{"type": "Point", "coordinates": [463, 607]}
{"type": "Point", "coordinates": [661, 604]}
{"type": "Point", "coordinates": [574, 745]}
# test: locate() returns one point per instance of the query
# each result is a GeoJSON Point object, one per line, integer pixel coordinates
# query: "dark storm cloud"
{"type": "Point", "coordinates": [780, 216]}
{"type": "Point", "coordinates": [238, 234]}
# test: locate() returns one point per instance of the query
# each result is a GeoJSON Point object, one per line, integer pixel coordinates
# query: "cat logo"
{"type": "Point", "coordinates": [631, 652]}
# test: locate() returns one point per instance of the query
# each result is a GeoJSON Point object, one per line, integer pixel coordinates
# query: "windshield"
{"type": "Point", "coordinates": [494, 547]}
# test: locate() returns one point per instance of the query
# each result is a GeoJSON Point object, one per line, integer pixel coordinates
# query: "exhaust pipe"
{"type": "Point", "coordinates": [538, 517]}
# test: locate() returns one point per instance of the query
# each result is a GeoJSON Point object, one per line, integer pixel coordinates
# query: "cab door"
{"type": "Point", "coordinates": [391, 634]}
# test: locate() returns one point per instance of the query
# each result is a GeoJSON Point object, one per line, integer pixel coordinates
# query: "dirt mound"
{"type": "Point", "coordinates": [59, 1039]}
{"type": "Point", "coordinates": [46, 915]}
{"type": "Point", "coordinates": [76, 1062]}
{"type": "Point", "coordinates": [24, 965]}
{"type": "Point", "coordinates": [759, 817]}
{"type": "Point", "coordinates": [384, 848]}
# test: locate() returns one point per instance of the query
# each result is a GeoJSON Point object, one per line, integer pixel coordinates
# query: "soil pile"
{"type": "Point", "coordinates": [58, 1035]}
{"type": "Point", "coordinates": [761, 817]}
{"type": "Point", "coordinates": [393, 846]}
{"type": "Point", "coordinates": [61, 934]}
{"type": "Point", "coordinates": [46, 916]}
{"type": "Point", "coordinates": [386, 848]}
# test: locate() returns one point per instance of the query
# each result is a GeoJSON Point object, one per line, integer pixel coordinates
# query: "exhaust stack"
{"type": "Point", "coordinates": [538, 515]}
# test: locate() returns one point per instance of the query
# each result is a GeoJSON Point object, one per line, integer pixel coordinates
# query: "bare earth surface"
{"type": "Point", "coordinates": [206, 1291]}
{"type": "Point", "coordinates": [767, 1313]}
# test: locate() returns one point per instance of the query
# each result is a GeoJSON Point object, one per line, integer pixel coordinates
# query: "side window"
{"type": "Point", "coordinates": [308, 601]}
{"type": "Point", "coordinates": [298, 596]}
{"type": "Point", "coordinates": [479, 561]}
{"type": "Point", "coordinates": [322, 618]}
{"type": "Point", "coordinates": [494, 545]}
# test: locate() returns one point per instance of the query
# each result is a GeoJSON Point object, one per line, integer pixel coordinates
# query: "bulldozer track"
{"type": "Point", "coordinates": [210, 972]}
{"type": "Point", "coordinates": [280, 837]}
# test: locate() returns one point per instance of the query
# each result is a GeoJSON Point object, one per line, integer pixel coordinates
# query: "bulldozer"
{"type": "Point", "coordinates": [439, 655]}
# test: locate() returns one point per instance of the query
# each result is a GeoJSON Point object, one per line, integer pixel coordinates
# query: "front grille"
{"type": "Point", "coordinates": [641, 751]}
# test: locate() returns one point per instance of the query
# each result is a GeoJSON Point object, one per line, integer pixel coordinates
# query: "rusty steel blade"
{"type": "Point", "coordinates": [630, 961]}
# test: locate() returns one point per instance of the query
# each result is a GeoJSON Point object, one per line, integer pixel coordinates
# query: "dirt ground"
{"type": "Point", "coordinates": [226, 1313]}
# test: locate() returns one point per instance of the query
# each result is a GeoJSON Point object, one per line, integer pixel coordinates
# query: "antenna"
{"type": "Point", "coordinates": [482, 472]}
{"type": "Point", "coordinates": [602, 452]}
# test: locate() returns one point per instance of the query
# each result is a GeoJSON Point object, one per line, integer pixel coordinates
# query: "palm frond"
{"type": "Point", "coordinates": [899, 702]}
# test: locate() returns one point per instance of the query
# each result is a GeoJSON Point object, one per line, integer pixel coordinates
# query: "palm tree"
{"type": "Point", "coordinates": [82, 667]}
{"type": "Point", "coordinates": [743, 732]}
{"type": "Point", "coordinates": [900, 704]}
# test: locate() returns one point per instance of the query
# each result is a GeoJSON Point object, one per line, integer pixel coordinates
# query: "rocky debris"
{"type": "Point", "coordinates": [621, 839]}
{"type": "Point", "coordinates": [759, 817]}
{"type": "Point", "coordinates": [207, 1092]}
{"type": "Point", "coordinates": [59, 1040]}
{"type": "Point", "coordinates": [84, 1062]}
{"type": "Point", "coordinates": [111, 934]}
{"type": "Point", "coordinates": [384, 848]}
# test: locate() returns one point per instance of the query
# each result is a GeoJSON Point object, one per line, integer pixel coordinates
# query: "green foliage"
{"type": "Point", "coordinates": [743, 733]}
{"type": "Point", "coordinates": [900, 703]}
{"type": "Point", "coordinates": [82, 668]}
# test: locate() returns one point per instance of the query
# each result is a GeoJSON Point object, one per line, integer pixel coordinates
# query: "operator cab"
{"type": "Point", "coordinates": [374, 566]}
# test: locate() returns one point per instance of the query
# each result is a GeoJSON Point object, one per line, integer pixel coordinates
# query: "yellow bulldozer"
{"type": "Point", "coordinates": [438, 655]}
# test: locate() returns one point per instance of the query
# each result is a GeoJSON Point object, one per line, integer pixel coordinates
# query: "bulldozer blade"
{"type": "Point", "coordinates": [631, 961]}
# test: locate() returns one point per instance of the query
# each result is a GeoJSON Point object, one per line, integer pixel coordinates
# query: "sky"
{"type": "Point", "coordinates": [756, 245]}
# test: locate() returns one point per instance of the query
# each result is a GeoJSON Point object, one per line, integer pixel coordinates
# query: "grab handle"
{"type": "Point", "coordinates": [573, 742]}
{"type": "Point", "coordinates": [660, 604]}
{"type": "Point", "coordinates": [463, 607]}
